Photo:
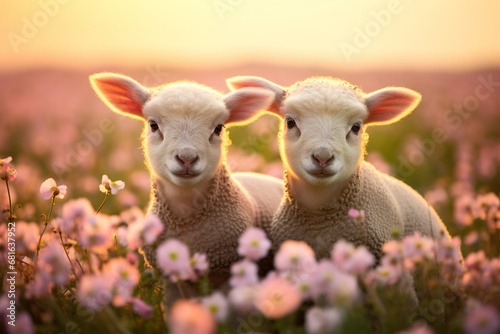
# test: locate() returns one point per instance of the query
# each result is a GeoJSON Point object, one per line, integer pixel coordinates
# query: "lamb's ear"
{"type": "Point", "coordinates": [251, 81]}
{"type": "Point", "coordinates": [389, 105]}
{"type": "Point", "coordinates": [244, 104]}
{"type": "Point", "coordinates": [120, 93]}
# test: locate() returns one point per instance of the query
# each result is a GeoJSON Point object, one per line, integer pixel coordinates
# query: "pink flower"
{"type": "Point", "coordinates": [341, 252]}
{"type": "Point", "coordinates": [24, 325]}
{"type": "Point", "coordinates": [141, 308]}
{"type": "Point", "coordinates": [95, 234]}
{"type": "Point", "coordinates": [108, 186]}
{"type": "Point", "coordinates": [122, 234]}
{"type": "Point", "coordinates": [75, 214]}
{"type": "Point", "coordinates": [466, 210]}
{"type": "Point", "coordinates": [337, 287]}
{"type": "Point", "coordinates": [351, 259]}
{"type": "Point", "coordinates": [53, 265]}
{"type": "Point", "coordinates": [151, 229]}
{"type": "Point", "coordinates": [343, 290]}
{"type": "Point", "coordinates": [482, 319]}
{"type": "Point", "coordinates": [476, 261]}
{"type": "Point", "coordinates": [322, 320]}
{"type": "Point", "coordinates": [173, 259]}
{"type": "Point", "coordinates": [417, 249]}
{"type": "Point", "coordinates": [477, 272]}
{"type": "Point", "coordinates": [7, 172]}
{"type": "Point", "coordinates": [217, 304]}
{"type": "Point", "coordinates": [199, 263]}
{"type": "Point", "coordinates": [301, 280]}
{"type": "Point", "coordinates": [123, 277]}
{"type": "Point", "coordinates": [471, 238]}
{"type": "Point", "coordinates": [357, 215]}
{"type": "Point", "coordinates": [393, 253]}
{"type": "Point", "coordinates": [276, 297]}
{"type": "Point", "coordinates": [27, 235]}
{"type": "Point", "coordinates": [386, 274]}
{"type": "Point", "coordinates": [242, 298]}
{"type": "Point", "coordinates": [322, 276]}
{"type": "Point", "coordinates": [94, 292]}
{"type": "Point", "coordinates": [488, 204]}
{"type": "Point", "coordinates": [189, 317]}
{"type": "Point", "coordinates": [49, 189]}
{"type": "Point", "coordinates": [243, 273]}
{"type": "Point", "coordinates": [253, 244]}
{"type": "Point", "coordinates": [141, 230]}
{"type": "Point", "coordinates": [449, 255]}
{"type": "Point", "coordinates": [132, 216]}
{"type": "Point", "coordinates": [295, 256]}
{"type": "Point", "coordinates": [5, 161]}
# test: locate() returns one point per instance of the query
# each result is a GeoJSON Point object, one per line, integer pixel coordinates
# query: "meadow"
{"type": "Point", "coordinates": [53, 126]}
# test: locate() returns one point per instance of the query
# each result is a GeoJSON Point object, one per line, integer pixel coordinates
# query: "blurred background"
{"type": "Point", "coordinates": [53, 125]}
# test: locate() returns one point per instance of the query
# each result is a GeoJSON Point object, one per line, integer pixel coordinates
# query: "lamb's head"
{"type": "Point", "coordinates": [183, 122]}
{"type": "Point", "coordinates": [322, 134]}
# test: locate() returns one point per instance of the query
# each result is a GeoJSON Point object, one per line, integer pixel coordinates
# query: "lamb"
{"type": "Point", "coordinates": [196, 197]}
{"type": "Point", "coordinates": [322, 145]}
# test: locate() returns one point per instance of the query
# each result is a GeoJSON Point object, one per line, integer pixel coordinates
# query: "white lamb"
{"type": "Point", "coordinates": [193, 193]}
{"type": "Point", "coordinates": [322, 145]}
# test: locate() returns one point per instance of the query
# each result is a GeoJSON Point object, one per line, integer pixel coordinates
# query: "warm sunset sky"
{"type": "Point", "coordinates": [433, 34]}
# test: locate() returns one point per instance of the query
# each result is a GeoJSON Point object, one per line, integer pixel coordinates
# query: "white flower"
{"type": "Point", "coordinates": [49, 188]}
{"type": "Point", "coordinates": [217, 304]}
{"type": "Point", "coordinates": [173, 259]}
{"type": "Point", "coordinates": [320, 320]}
{"type": "Point", "coordinates": [107, 185]}
{"type": "Point", "coordinates": [253, 244]}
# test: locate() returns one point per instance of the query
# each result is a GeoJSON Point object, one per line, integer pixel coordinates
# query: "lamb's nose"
{"type": "Point", "coordinates": [322, 159]}
{"type": "Point", "coordinates": [186, 159]}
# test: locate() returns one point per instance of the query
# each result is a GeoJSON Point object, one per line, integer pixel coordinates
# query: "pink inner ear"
{"type": "Point", "coordinates": [253, 81]}
{"type": "Point", "coordinates": [246, 103]}
{"type": "Point", "coordinates": [121, 94]}
{"type": "Point", "coordinates": [389, 105]}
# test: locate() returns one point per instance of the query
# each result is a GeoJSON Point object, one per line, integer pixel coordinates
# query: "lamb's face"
{"type": "Point", "coordinates": [321, 140]}
{"type": "Point", "coordinates": [183, 133]}
{"type": "Point", "coordinates": [184, 121]}
{"type": "Point", "coordinates": [322, 134]}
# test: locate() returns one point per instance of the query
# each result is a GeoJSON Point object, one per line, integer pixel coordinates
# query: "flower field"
{"type": "Point", "coordinates": [74, 187]}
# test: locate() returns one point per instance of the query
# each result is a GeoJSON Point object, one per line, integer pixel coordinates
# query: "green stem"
{"type": "Point", "coordinates": [80, 265]}
{"type": "Point", "coordinates": [377, 302]}
{"type": "Point", "coordinates": [46, 222]}
{"type": "Point", "coordinates": [67, 255]}
{"type": "Point", "coordinates": [103, 201]}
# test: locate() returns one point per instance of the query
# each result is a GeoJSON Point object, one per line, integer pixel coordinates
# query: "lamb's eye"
{"type": "Point", "coordinates": [218, 129]}
{"type": "Point", "coordinates": [290, 123]}
{"type": "Point", "coordinates": [153, 126]}
{"type": "Point", "coordinates": [356, 127]}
